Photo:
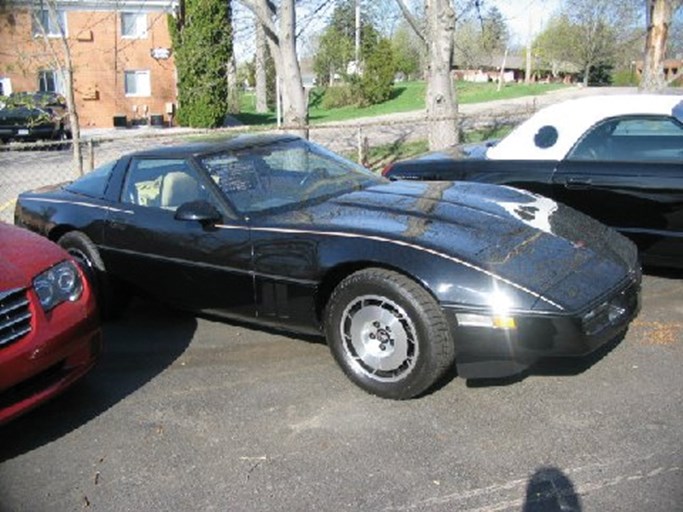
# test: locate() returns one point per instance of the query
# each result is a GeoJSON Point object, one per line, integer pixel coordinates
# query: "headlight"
{"type": "Point", "coordinates": [499, 317]}
{"type": "Point", "coordinates": [59, 284]}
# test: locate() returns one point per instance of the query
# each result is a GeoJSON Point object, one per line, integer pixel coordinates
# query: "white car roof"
{"type": "Point", "coordinates": [572, 119]}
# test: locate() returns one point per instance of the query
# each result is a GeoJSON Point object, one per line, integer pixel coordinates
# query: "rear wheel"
{"type": "Point", "coordinates": [388, 334]}
{"type": "Point", "coordinates": [64, 139]}
{"type": "Point", "coordinates": [112, 299]}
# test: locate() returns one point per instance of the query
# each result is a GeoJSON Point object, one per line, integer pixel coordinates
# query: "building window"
{"type": "Point", "coordinates": [53, 27]}
{"type": "Point", "coordinates": [50, 81]}
{"type": "Point", "coordinates": [137, 83]}
{"type": "Point", "coordinates": [5, 86]}
{"type": "Point", "coordinates": [133, 25]}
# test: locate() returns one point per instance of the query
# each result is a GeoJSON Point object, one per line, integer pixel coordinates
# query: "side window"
{"type": "Point", "coordinates": [633, 138]}
{"type": "Point", "coordinates": [161, 183]}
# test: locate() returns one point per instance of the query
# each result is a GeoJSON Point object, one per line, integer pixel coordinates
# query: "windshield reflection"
{"type": "Point", "coordinates": [284, 175]}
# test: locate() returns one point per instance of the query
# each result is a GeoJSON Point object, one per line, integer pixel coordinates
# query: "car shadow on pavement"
{"type": "Point", "coordinates": [554, 366]}
{"type": "Point", "coordinates": [665, 272]}
{"type": "Point", "coordinates": [138, 347]}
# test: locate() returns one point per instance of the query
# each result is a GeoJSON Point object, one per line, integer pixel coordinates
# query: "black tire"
{"type": "Point", "coordinates": [111, 297]}
{"type": "Point", "coordinates": [64, 140]}
{"type": "Point", "coordinates": [388, 334]}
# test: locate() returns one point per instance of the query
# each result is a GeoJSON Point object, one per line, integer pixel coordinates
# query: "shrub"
{"type": "Point", "coordinates": [340, 96]}
{"type": "Point", "coordinates": [202, 74]}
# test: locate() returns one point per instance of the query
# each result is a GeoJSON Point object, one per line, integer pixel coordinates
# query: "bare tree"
{"type": "Point", "coordinates": [260, 70]}
{"type": "Point", "coordinates": [63, 63]}
{"type": "Point", "coordinates": [281, 37]}
{"type": "Point", "coordinates": [659, 17]}
{"type": "Point", "coordinates": [597, 27]}
{"type": "Point", "coordinates": [441, 100]}
{"type": "Point", "coordinates": [233, 86]}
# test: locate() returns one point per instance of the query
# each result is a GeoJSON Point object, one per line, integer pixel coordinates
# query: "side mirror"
{"type": "Point", "coordinates": [198, 211]}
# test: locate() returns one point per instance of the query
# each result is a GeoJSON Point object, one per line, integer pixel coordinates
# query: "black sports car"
{"type": "Point", "coordinates": [403, 278]}
{"type": "Point", "coordinates": [617, 158]}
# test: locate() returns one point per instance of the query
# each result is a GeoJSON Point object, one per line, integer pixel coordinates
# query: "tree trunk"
{"type": "Point", "coordinates": [282, 44]}
{"type": "Point", "coordinates": [65, 67]}
{"type": "Point", "coordinates": [659, 13]}
{"type": "Point", "coordinates": [295, 112]}
{"type": "Point", "coordinates": [441, 101]}
{"type": "Point", "coordinates": [260, 71]}
{"type": "Point", "coordinates": [586, 74]}
{"type": "Point", "coordinates": [233, 87]}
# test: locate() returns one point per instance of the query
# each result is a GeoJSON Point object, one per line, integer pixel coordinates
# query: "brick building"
{"type": "Point", "coordinates": [123, 65]}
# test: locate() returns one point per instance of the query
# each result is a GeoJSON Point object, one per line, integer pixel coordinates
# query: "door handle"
{"type": "Point", "coordinates": [578, 183]}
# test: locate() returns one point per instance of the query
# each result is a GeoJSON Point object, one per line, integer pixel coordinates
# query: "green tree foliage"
{"type": "Point", "coordinates": [554, 46]}
{"type": "Point", "coordinates": [590, 36]}
{"type": "Point", "coordinates": [481, 40]}
{"type": "Point", "coordinates": [494, 32]}
{"type": "Point", "coordinates": [338, 41]}
{"type": "Point", "coordinates": [202, 45]}
{"type": "Point", "coordinates": [378, 73]}
{"type": "Point", "coordinates": [407, 49]}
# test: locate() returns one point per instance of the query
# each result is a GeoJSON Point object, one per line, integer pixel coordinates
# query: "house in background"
{"type": "Point", "coordinates": [673, 70]}
{"type": "Point", "coordinates": [123, 66]}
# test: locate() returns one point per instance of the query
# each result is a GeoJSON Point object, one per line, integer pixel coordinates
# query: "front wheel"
{"type": "Point", "coordinates": [388, 334]}
{"type": "Point", "coordinates": [111, 298]}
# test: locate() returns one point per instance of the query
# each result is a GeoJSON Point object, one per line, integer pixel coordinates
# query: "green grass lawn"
{"type": "Point", "coordinates": [405, 97]}
{"type": "Point", "coordinates": [380, 156]}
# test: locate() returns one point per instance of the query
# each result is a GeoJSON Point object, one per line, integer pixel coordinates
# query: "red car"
{"type": "Point", "coordinates": [50, 335]}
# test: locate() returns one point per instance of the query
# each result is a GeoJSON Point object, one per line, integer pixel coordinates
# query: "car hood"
{"type": "Point", "coordinates": [24, 255]}
{"type": "Point", "coordinates": [516, 235]}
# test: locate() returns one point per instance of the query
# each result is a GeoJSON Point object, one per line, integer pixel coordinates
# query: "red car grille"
{"type": "Point", "coordinates": [15, 316]}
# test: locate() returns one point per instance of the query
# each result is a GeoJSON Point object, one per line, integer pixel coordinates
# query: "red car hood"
{"type": "Point", "coordinates": [23, 255]}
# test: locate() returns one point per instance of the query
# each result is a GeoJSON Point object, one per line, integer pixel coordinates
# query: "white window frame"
{"type": "Point", "coordinates": [142, 89]}
{"type": "Point", "coordinates": [56, 80]}
{"type": "Point", "coordinates": [50, 30]}
{"type": "Point", "coordinates": [139, 25]}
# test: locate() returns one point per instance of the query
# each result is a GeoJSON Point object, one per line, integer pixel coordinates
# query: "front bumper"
{"type": "Point", "coordinates": [488, 352]}
{"type": "Point", "coordinates": [62, 346]}
{"type": "Point", "coordinates": [28, 133]}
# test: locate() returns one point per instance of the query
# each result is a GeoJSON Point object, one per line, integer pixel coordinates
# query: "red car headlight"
{"type": "Point", "coordinates": [59, 284]}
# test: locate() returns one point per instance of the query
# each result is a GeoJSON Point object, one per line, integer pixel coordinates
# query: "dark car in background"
{"type": "Point", "coordinates": [617, 158]}
{"type": "Point", "coordinates": [32, 116]}
{"type": "Point", "coordinates": [49, 328]}
{"type": "Point", "coordinates": [402, 278]}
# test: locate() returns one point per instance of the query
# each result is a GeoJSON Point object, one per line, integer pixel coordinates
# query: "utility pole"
{"type": "Point", "coordinates": [529, 56]}
{"type": "Point", "coordinates": [357, 36]}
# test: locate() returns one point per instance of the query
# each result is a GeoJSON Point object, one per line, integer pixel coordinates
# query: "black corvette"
{"type": "Point", "coordinates": [403, 278]}
{"type": "Point", "coordinates": [617, 158]}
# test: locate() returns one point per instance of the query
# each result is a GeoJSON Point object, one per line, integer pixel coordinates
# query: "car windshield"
{"type": "Point", "coordinates": [284, 175]}
{"type": "Point", "coordinates": [94, 183]}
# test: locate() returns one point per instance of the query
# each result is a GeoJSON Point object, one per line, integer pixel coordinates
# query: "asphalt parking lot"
{"type": "Point", "coordinates": [187, 413]}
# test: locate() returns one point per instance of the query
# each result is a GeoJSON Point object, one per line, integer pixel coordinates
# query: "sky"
{"type": "Point", "coordinates": [520, 15]}
{"type": "Point", "coordinates": [523, 15]}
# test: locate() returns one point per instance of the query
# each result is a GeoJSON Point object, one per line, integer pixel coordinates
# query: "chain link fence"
{"type": "Point", "coordinates": [375, 143]}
